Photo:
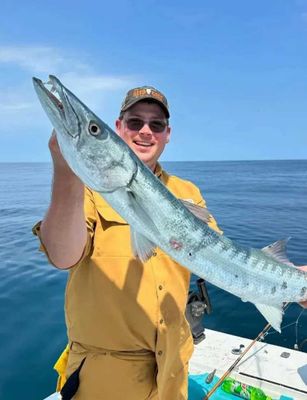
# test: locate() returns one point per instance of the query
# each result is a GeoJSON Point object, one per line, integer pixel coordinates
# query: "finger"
{"type": "Point", "coordinates": [303, 304]}
{"type": "Point", "coordinates": [54, 145]}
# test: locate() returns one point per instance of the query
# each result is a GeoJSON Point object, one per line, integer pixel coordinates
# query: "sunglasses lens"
{"type": "Point", "coordinates": [157, 126]}
{"type": "Point", "coordinates": [136, 124]}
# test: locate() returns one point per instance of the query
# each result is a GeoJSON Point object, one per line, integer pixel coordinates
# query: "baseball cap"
{"type": "Point", "coordinates": [143, 93]}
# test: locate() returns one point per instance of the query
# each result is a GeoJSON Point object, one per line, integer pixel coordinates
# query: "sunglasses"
{"type": "Point", "coordinates": [136, 124]}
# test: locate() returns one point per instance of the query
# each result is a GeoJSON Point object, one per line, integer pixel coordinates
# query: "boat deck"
{"type": "Point", "coordinates": [276, 370]}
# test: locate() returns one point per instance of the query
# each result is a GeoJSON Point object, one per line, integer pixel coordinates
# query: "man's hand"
{"type": "Point", "coordinates": [55, 151]}
{"type": "Point", "coordinates": [303, 268]}
{"type": "Point", "coordinates": [59, 163]}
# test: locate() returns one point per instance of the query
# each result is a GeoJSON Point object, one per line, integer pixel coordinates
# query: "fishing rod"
{"type": "Point", "coordinates": [220, 381]}
{"type": "Point", "coordinates": [259, 337]}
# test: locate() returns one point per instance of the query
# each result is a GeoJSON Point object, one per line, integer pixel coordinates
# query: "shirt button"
{"type": "Point", "coordinates": [160, 353]}
{"type": "Point", "coordinates": [161, 321]}
{"type": "Point", "coordinates": [160, 287]}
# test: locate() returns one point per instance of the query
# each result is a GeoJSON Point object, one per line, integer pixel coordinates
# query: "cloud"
{"type": "Point", "coordinates": [33, 58]}
{"type": "Point", "coordinates": [19, 110]}
{"type": "Point", "coordinates": [13, 106]}
{"type": "Point", "coordinates": [14, 99]}
{"type": "Point", "coordinates": [89, 83]}
{"type": "Point", "coordinates": [66, 65]}
{"type": "Point", "coordinates": [18, 102]}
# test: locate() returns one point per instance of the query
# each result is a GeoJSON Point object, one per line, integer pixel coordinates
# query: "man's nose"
{"type": "Point", "coordinates": [145, 130]}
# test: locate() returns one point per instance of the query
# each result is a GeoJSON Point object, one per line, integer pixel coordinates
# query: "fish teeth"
{"type": "Point", "coordinates": [50, 83]}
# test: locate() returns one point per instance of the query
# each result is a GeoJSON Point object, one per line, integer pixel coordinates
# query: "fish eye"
{"type": "Point", "coordinates": [94, 129]}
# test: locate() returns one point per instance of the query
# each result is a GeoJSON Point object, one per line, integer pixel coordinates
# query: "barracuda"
{"type": "Point", "coordinates": [105, 163]}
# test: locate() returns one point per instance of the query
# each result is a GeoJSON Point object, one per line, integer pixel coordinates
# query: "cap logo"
{"type": "Point", "coordinates": [148, 92]}
{"type": "Point", "coordinates": [158, 96]}
{"type": "Point", "coordinates": [138, 93]}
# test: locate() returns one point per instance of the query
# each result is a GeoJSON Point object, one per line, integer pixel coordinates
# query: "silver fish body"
{"type": "Point", "coordinates": [105, 163]}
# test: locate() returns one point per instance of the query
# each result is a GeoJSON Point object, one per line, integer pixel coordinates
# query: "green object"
{"type": "Point", "coordinates": [244, 391]}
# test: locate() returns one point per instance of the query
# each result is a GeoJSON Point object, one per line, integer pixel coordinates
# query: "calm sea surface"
{"type": "Point", "coordinates": [255, 203]}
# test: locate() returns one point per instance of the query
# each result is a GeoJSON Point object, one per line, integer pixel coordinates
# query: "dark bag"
{"type": "Point", "coordinates": [71, 385]}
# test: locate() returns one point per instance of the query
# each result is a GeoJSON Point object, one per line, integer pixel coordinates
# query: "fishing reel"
{"type": "Point", "coordinates": [198, 305]}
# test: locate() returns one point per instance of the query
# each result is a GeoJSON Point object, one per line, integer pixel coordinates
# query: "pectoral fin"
{"type": "Point", "coordinates": [273, 314]}
{"type": "Point", "coordinates": [142, 247]}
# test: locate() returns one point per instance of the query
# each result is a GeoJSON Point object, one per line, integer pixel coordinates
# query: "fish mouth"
{"type": "Point", "coordinates": [57, 104]}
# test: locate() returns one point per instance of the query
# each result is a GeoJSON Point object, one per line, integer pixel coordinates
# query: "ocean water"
{"type": "Point", "coordinates": [254, 202]}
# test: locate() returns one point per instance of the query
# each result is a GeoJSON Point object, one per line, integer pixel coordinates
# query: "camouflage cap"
{"type": "Point", "coordinates": [142, 93]}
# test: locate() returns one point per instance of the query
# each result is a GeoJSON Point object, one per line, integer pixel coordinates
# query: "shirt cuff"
{"type": "Point", "coordinates": [86, 251]}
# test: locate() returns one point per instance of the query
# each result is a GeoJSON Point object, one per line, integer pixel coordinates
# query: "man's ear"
{"type": "Point", "coordinates": [118, 125]}
{"type": "Point", "coordinates": [168, 134]}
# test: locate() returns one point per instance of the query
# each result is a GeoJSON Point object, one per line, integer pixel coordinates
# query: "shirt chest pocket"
{"type": "Point", "coordinates": [112, 235]}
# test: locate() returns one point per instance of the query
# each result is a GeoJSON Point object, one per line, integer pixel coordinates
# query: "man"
{"type": "Point", "coordinates": [128, 336]}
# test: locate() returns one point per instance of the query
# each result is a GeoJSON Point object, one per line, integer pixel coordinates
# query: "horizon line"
{"type": "Point", "coordinates": [175, 161]}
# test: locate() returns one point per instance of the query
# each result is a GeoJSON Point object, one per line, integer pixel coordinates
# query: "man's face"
{"type": "Point", "coordinates": [145, 142]}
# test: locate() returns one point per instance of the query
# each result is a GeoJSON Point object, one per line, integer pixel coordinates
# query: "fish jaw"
{"type": "Point", "coordinates": [52, 106]}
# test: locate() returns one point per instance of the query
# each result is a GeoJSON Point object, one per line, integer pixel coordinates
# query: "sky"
{"type": "Point", "coordinates": [234, 72]}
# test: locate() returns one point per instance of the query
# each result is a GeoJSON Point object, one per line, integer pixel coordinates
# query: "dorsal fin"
{"type": "Point", "coordinates": [277, 251]}
{"type": "Point", "coordinates": [200, 212]}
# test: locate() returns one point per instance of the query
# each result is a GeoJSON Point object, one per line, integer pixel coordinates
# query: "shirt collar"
{"type": "Point", "coordinates": [158, 170]}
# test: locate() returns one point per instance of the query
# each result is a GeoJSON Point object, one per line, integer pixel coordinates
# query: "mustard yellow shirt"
{"type": "Point", "coordinates": [116, 302]}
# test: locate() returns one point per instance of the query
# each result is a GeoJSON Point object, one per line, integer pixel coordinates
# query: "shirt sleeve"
{"type": "Point", "coordinates": [90, 219]}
